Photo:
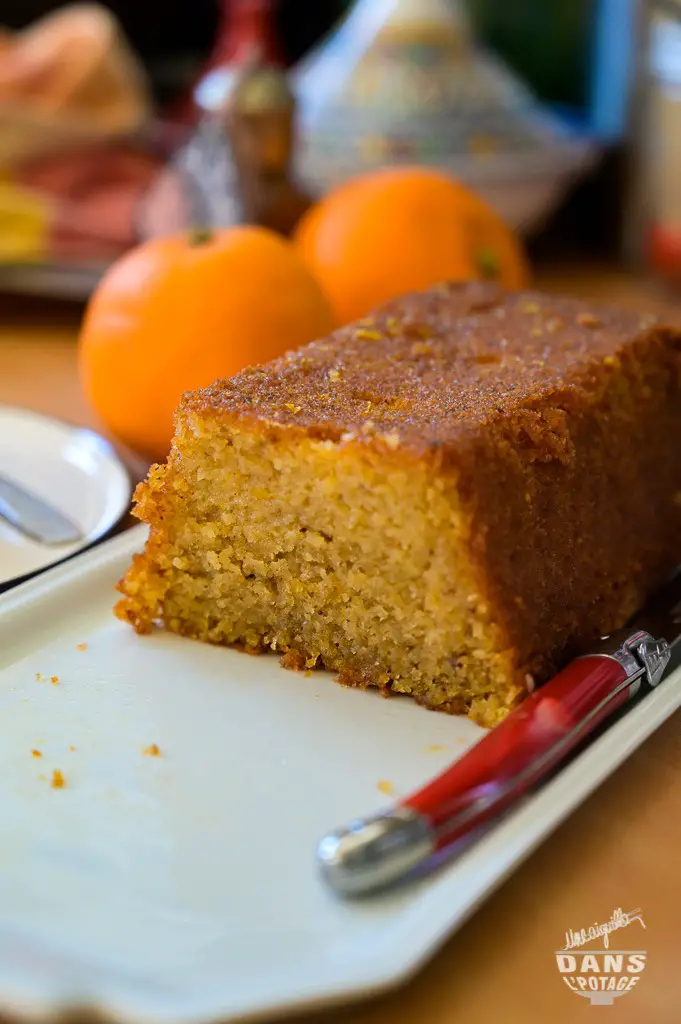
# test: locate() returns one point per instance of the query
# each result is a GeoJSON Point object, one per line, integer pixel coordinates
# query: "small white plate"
{"type": "Point", "coordinates": [75, 470]}
{"type": "Point", "coordinates": [182, 888]}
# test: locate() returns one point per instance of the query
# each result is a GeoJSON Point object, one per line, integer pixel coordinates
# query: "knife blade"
{"type": "Point", "coordinates": [34, 517]}
{"type": "Point", "coordinates": [516, 755]}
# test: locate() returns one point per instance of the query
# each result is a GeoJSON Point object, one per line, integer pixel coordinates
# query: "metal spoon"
{"type": "Point", "coordinates": [34, 517]}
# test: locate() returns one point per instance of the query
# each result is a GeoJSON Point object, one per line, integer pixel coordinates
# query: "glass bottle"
{"type": "Point", "coordinates": [237, 167]}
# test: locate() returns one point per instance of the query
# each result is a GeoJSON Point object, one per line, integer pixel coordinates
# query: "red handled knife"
{"type": "Point", "coordinates": [375, 851]}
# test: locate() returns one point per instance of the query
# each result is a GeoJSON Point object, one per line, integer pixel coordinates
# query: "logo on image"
{"type": "Point", "coordinates": [600, 973]}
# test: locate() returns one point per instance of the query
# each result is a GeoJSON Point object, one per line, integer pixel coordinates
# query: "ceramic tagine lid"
{"type": "Point", "coordinates": [402, 81]}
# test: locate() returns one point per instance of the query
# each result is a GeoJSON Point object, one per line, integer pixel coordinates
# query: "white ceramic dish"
{"type": "Point", "coordinates": [181, 889]}
{"type": "Point", "coordinates": [75, 470]}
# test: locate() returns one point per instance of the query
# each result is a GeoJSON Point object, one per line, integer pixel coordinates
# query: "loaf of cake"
{"type": "Point", "coordinates": [443, 500]}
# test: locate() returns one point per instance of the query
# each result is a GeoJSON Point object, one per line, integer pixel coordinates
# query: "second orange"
{"type": "Point", "coordinates": [400, 230]}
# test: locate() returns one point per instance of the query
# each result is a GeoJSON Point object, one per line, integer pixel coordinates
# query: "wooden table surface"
{"type": "Point", "coordinates": [622, 848]}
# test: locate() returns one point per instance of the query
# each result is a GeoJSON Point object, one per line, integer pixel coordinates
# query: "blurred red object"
{"type": "Point", "coordinates": [664, 251]}
{"type": "Point", "coordinates": [244, 26]}
{"type": "Point", "coordinates": [93, 194]}
{"type": "Point", "coordinates": [245, 29]}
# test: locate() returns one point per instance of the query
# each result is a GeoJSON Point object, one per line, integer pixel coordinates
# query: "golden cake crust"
{"type": "Point", "coordinates": [429, 369]}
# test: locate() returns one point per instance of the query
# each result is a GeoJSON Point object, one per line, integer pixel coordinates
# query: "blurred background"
{"type": "Point", "coordinates": [599, 72]}
{"type": "Point", "coordinates": [557, 124]}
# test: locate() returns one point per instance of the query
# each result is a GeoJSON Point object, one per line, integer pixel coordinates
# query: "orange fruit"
{"type": "Point", "coordinates": [177, 313]}
{"type": "Point", "coordinates": [399, 230]}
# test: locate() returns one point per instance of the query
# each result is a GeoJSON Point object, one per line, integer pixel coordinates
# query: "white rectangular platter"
{"type": "Point", "coordinates": [182, 889]}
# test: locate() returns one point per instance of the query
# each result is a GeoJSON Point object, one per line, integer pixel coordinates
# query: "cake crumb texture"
{"type": "Point", "coordinates": [443, 500]}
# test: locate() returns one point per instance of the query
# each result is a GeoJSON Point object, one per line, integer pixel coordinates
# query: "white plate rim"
{"type": "Point", "coordinates": [107, 451]}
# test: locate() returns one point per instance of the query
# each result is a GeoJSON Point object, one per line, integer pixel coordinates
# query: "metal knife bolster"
{"type": "Point", "coordinates": [640, 655]}
{"type": "Point", "coordinates": [373, 851]}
